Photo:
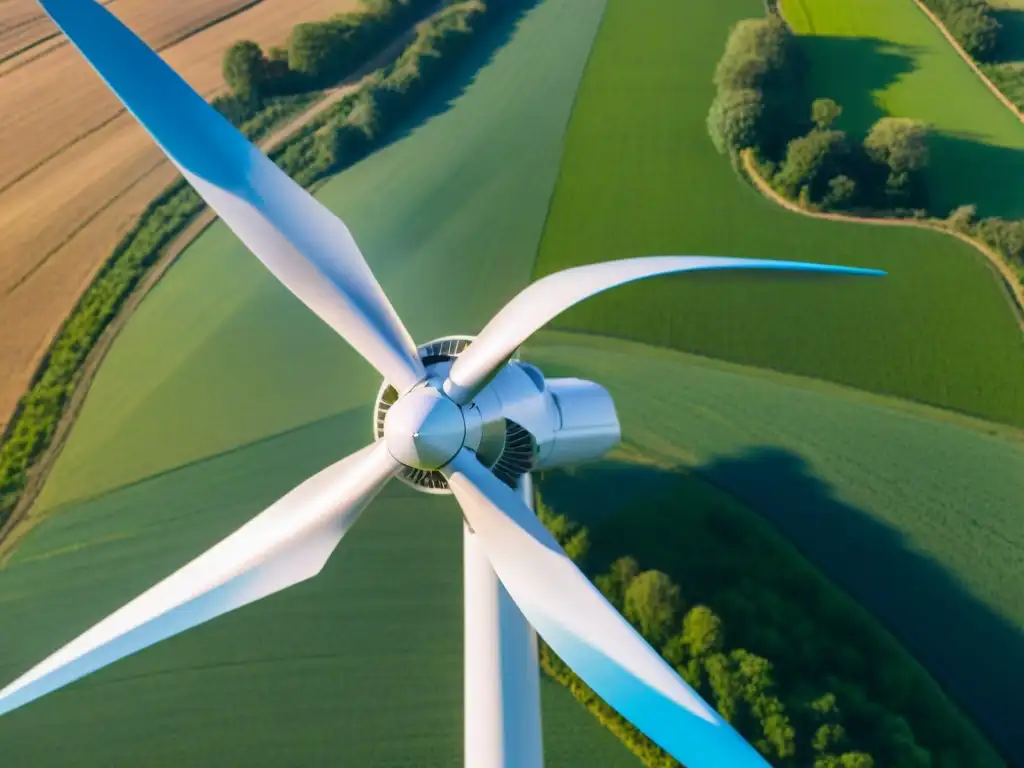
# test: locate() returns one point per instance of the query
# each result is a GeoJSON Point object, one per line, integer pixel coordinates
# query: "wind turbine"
{"type": "Point", "coordinates": [458, 415]}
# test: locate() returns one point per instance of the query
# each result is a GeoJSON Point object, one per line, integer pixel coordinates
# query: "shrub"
{"type": "Point", "coordinates": [245, 69]}
{"type": "Point", "coordinates": [811, 162]}
{"type": "Point", "coordinates": [824, 113]}
{"type": "Point", "coordinates": [735, 119]}
{"type": "Point", "coordinates": [899, 143]}
{"type": "Point", "coordinates": [759, 53]}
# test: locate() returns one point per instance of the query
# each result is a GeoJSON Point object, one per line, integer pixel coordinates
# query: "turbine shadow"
{"type": "Point", "coordinates": [975, 654]}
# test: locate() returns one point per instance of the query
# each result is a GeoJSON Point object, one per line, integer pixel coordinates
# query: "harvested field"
{"type": "Point", "coordinates": [85, 168]}
{"type": "Point", "coordinates": [361, 667]}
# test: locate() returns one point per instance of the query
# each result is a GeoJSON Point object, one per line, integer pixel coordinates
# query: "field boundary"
{"type": "Point", "coordinates": [1011, 285]}
{"type": "Point", "coordinates": [40, 471]}
{"type": "Point", "coordinates": [969, 60]}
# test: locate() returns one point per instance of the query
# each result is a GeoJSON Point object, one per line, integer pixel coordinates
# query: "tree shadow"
{"type": "Point", "coordinates": [442, 95]}
{"type": "Point", "coordinates": [965, 170]}
{"type": "Point", "coordinates": [972, 651]}
{"type": "Point", "coordinates": [1011, 37]}
{"type": "Point", "coordinates": [869, 65]}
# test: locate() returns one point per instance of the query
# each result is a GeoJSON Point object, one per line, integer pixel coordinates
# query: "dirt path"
{"type": "Point", "coordinates": [969, 61]}
{"type": "Point", "coordinates": [1009, 280]}
{"type": "Point", "coordinates": [41, 468]}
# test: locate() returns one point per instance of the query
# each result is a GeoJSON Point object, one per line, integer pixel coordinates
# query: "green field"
{"type": "Point", "coordinates": [640, 176]}
{"type": "Point", "coordinates": [1007, 71]}
{"type": "Point", "coordinates": [361, 666]}
{"type": "Point", "coordinates": [884, 57]}
{"type": "Point", "coordinates": [224, 392]}
{"type": "Point", "coordinates": [915, 512]}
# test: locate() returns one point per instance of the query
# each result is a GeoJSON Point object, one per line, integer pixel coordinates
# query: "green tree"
{"type": "Point", "coordinates": [245, 69]}
{"type": "Point", "coordinates": [976, 29]}
{"type": "Point", "coordinates": [899, 143]}
{"type": "Point", "coordinates": [811, 161]}
{"type": "Point", "coordinates": [734, 120]}
{"type": "Point", "coordinates": [824, 113]}
{"type": "Point", "coordinates": [652, 602]}
{"type": "Point", "coordinates": [759, 53]}
{"type": "Point", "coordinates": [702, 631]}
{"type": "Point", "coordinates": [613, 585]}
{"type": "Point", "coordinates": [842, 192]}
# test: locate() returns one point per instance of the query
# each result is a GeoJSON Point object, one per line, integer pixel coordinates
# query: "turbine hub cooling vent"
{"type": "Point", "coordinates": [507, 448]}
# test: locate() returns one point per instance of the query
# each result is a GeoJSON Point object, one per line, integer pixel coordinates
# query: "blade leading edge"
{"type": "Point", "coordinates": [542, 301]}
{"type": "Point", "coordinates": [587, 633]}
{"type": "Point", "coordinates": [302, 243]}
{"type": "Point", "coordinates": [284, 545]}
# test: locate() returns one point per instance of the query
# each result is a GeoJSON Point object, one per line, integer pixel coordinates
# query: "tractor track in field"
{"type": "Point", "coordinates": [40, 470]}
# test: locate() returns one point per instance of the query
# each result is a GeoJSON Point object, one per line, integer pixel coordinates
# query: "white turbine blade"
{"type": "Point", "coordinates": [585, 630]}
{"type": "Point", "coordinates": [540, 302]}
{"type": "Point", "coordinates": [302, 243]}
{"type": "Point", "coordinates": [284, 545]}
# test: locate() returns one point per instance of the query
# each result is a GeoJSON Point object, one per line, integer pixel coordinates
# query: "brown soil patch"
{"type": "Point", "coordinates": [84, 169]}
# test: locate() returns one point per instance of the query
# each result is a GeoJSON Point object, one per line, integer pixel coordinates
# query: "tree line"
{"type": "Point", "coordinates": [761, 105]}
{"type": "Point", "coordinates": [337, 138]}
{"type": "Point", "coordinates": [972, 23]}
{"type": "Point", "coordinates": [318, 54]}
{"type": "Point", "coordinates": [791, 662]}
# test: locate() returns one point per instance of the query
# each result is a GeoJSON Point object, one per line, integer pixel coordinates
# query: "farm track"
{"type": "Point", "coordinates": [85, 169]}
{"type": "Point", "coordinates": [40, 471]}
{"type": "Point", "coordinates": [969, 61]}
{"type": "Point", "coordinates": [1009, 280]}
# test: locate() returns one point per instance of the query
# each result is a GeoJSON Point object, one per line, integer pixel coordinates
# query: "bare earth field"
{"type": "Point", "coordinates": [81, 169]}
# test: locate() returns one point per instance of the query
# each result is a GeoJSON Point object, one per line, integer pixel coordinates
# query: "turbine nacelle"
{"type": "Point", "coordinates": [518, 421]}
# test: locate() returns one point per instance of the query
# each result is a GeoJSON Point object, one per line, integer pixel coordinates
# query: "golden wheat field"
{"type": "Point", "coordinates": [83, 169]}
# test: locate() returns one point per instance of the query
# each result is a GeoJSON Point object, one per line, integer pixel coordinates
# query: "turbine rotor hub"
{"type": "Point", "coordinates": [424, 429]}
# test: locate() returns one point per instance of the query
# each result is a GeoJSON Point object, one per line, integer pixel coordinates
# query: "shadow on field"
{"type": "Point", "coordinates": [869, 65]}
{"type": "Point", "coordinates": [481, 52]}
{"type": "Point", "coordinates": [976, 655]}
{"type": "Point", "coordinates": [967, 171]}
{"type": "Point", "coordinates": [1011, 37]}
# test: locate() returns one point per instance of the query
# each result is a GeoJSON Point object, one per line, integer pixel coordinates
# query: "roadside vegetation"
{"type": "Point", "coordinates": [801, 670]}
{"type": "Point", "coordinates": [761, 104]}
{"type": "Point", "coordinates": [338, 137]}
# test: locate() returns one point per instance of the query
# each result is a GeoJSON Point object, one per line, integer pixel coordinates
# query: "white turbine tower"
{"type": "Point", "coordinates": [457, 415]}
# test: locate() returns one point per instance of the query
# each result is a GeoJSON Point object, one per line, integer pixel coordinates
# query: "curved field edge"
{"type": "Point", "coordinates": [372, 647]}
{"type": "Point", "coordinates": [813, 635]}
{"type": "Point", "coordinates": [640, 176]}
{"type": "Point", "coordinates": [35, 436]}
{"type": "Point", "coordinates": [1009, 280]}
{"type": "Point", "coordinates": [906, 68]}
{"type": "Point", "coordinates": [928, 498]}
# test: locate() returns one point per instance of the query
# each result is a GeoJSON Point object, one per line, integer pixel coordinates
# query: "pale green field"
{"type": "Point", "coordinates": [879, 57]}
{"type": "Point", "coordinates": [914, 511]}
{"type": "Point", "coordinates": [361, 666]}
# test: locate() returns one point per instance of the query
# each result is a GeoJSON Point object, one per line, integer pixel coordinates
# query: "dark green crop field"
{"type": "Point", "coordinates": [640, 176]}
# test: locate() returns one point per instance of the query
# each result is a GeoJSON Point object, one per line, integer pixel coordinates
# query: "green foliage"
{"type": "Point", "coordinates": [759, 54]}
{"type": "Point", "coordinates": [899, 143]}
{"type": "Point", "coordinates": [324, 52]}
{"type": "Point", "coordinates": [811, 163]}
{"type": "Point", "coordinates": [824, 113]}
{"type": "Point", "coordinates": [735, 119]}
{"type": "Point", "coordinates": [341, 136]}
{"type": "Point", "coordinates": [755, 79]}
{"type": "Point", "coordinates": [971, 22]}
{"type": "Point", "coordinates": [806, 676]}
{"type": "Point", "coordinates": [246, 69]}
{"type": "Point", "coordinates": [652, 603]}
